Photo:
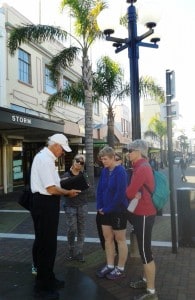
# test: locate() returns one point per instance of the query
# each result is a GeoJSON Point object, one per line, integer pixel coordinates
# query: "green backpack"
{"type": "Point", "coordinates": [161, 192]}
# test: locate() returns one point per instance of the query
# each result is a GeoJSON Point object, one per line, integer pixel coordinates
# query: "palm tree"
{"type": "Point", "coordinates": [108, 87]}
{"type": "Point", "coordinates": [157, 129]}
{"type": "Point", "coordinates": [86, 32]}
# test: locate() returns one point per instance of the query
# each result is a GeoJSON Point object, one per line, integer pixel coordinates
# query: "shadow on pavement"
{"type": "Point", "coordinates": [17, 283]}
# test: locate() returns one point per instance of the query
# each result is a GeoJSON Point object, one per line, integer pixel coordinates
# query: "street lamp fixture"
{"type": "Point", "coordinates": [133, 42]}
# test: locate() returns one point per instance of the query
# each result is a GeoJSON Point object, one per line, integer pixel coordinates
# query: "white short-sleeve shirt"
{"type": "Point", "coordinates": [43, 172]}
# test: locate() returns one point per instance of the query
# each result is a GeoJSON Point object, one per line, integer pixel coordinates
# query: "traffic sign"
{"type": "Point", "coordinates": [174, 111]}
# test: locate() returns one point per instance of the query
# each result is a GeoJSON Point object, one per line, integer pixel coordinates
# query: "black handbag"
{"type": "Point", "coordinates": [25, 199]}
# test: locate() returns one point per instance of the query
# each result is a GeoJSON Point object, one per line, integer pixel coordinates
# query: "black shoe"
{"type": "Point", "coordinates": [79, 257]}
{"type": "Point", "coordinates": [138, 284]}
{"type": "Point", "coordinates": [46, 295]}
{"type": "Point", "coordinates": [59, 284]}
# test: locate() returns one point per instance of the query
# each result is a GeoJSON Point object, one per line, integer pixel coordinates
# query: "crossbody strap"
{"type": "Point", "coordinates": [147, 188]}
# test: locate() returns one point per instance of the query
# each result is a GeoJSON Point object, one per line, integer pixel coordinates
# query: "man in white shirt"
{"type": "Point", "coordinates": [46, 189]}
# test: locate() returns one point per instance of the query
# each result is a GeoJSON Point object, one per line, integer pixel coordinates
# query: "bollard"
{"type": "Point", "coordinates": [186, 216]}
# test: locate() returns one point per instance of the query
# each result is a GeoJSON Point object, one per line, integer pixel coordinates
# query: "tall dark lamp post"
{"type": "Point", "coordinates": [132, 43]}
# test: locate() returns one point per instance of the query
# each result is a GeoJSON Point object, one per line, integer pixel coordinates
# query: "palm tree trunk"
{"type": "Point", "coordinates": [110, 124]}
{"type": "Point", "coordinates": [87, 82]}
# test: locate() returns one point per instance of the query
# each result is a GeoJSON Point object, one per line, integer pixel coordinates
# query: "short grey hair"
{"type": "Point", "coordinates": [140, 145]}
{"type": "Point", "coordinates": [106, 151]}
{"type": "Point", "coordinates": [50, 143]}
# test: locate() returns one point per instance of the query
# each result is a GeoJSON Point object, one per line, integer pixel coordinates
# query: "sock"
{"type": "Point", "coordinates": [120, 268]}
{"type": "Point", "coordinates": [110, 266]}
{"type": "Point", "coordinates": [151, 291]}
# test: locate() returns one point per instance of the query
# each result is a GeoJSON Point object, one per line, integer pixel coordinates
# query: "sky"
{"type": "Point", "coordinates": [176, 50]}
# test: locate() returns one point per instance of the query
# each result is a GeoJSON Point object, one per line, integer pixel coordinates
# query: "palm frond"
{"type": "Point", "coordinates": [157, 126]}
{"type": "Point", "coordinates": [150, 133]}
{"type": "Point", "coordinates": [72, 94]}
{"type": "Point", "coordinates": [124, 21]}
{"type": "Point", "coordinates": [148, 87]}
{"type": "Point", "coordinates": [33, 33]}
{"type": "Point", "coordinates": [85, 14]}
{"type": "Point", "coordinates": [62, 60]}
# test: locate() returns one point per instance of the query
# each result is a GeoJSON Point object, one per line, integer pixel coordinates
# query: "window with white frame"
{"type": "Point", "coordinates": [96, 108]}
{"type": "Point", "coordinates": [49, 86]}
{"type": "Point", "coordinates": [65, 84]}
{"type": "Point", "coordinates": [24, 64]}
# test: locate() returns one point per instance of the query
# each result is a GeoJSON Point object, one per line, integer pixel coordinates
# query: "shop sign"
{"type": "Point", "coordinates": [21, 119]}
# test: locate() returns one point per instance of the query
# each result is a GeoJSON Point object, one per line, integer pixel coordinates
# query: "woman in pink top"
{"type": "Point", "coordinates": [143, 215]}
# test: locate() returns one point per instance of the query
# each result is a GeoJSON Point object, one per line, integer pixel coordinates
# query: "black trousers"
{"type": "Point", "coordinates": [45, 214]}
{"type": "Point", "coordinates": [143, 226]}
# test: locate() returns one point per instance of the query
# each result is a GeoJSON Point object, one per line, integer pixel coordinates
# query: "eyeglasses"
{"type": "Point", "coordinates": [79, 162]}
{"type": "Point", "coordinates": [131, 150]}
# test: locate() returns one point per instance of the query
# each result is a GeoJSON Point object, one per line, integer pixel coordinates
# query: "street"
{"type": "Point", "coordinates": [175, 272]}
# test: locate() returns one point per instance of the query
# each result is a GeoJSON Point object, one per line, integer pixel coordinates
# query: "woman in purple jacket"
{"type": "Point", "coordinates": [112, 207]}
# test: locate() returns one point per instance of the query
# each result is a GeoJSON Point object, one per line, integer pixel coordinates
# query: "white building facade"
{"type": "Point", "coordinates": [25, 86]}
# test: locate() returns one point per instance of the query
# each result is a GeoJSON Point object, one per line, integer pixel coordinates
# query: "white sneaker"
{"type": "Point", "coordinates": [34, 270]}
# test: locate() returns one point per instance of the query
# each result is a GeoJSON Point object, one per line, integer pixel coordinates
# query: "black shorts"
{"type": "Point", "coordinates": [118, 221]}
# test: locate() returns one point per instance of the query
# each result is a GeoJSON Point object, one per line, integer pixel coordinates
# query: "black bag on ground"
{"type": "Point", "coordinates": [25, 199]}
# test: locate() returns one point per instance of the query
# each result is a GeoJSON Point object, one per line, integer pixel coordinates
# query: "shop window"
{"type": "Point", "coordinates": [18, 175]}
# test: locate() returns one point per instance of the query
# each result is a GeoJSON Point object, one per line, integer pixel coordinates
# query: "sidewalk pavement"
{"type": "Point", "coordinates": [175, 278]}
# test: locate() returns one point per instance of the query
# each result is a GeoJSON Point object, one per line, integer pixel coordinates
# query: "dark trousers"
{"type": "Point", "coordinates": [45, 214]}
{"type": "Point", "coordinates": [143, 226]}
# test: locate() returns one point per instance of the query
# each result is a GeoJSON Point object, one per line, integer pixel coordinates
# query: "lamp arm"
{"type": "Point", "coordinates": [115, 39]}
{"type": "Point", "coordinates": [121, 48]}
{"type": "Point", "coordinates": [149, 45]}
{"type": "Point", "coordinates": [145, 35]}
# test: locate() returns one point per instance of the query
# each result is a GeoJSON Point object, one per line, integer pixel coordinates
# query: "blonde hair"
{"type": "Point", "coordinates": [79, 156]}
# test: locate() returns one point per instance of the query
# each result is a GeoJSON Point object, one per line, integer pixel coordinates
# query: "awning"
{"type": "Point", "coordinates": [16, 123]}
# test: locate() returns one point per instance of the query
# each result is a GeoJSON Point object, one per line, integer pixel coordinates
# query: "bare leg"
{"type": "Point", "coordinates": [109, 244]}
{"type": "Point", "coordinates": [120, 236]}
{"type": "Point", "coordinates": [149, 273]}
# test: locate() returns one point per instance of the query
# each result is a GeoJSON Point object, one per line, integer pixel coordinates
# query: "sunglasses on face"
{"type": "Point", "coordinates": [131, 150]}
{"type": "Point", "coordinates": [79, 162]}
